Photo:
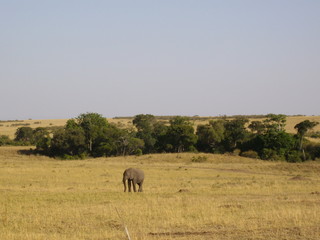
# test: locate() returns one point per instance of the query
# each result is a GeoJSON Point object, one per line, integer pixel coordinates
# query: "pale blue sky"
{"type": "Point", "coordinates": [61, 58]}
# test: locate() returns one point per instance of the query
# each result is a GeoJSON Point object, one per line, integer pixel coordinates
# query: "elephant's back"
{"type": "Point", "coordinates": [134, 173]}
{"type": "Point", "coordinates": [140, 174]}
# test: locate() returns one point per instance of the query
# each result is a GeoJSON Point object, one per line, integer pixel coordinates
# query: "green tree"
{"type": "Point", "coordinates": [145, 124]}
{"type": "Point", "coordinates": [42, 139]}
{"type": "Point", "coordinates": [272, 145]}
{"type": "Point", "coordinates": [129, 145]}
{"type": "Point", "coordinates": [108, 144]}
{"type": "Point", "coordinates": [275, 122]}
{"type": "Point", "coordinates": [94, 127]}
{"type": "Point", "coordinates": [39, 133]}
{"type": "Point", "coordinates": [235, 133]}
{"type": "Point", "coordinates": [180, 135]}
{"type": "Point", "coordinates": [257, 127]}
{"type": "Point", "coordinates": [5, 140]}
{"type": "Point", "coordinates": [80, 136]}
{"type": "Point", "coordinates": [71, 142]}
{"type": "Point", "coordinates": [210, 136]}
{"type": "Point", "coordinates": [118, 142]}
{"type": "Point", "coordinates": [302, 129]}
{"type": "Point", "coordinates": [160, 134]}
{"type": "Point", "coordinates": [59, 145]}
{"type": "Point", "coordinates": [72, 124]}
{"type": "Point", "coordinates": [24, 134]}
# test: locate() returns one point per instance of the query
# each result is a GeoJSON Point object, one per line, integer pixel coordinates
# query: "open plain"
{"type": "Point", "coordinates": [222, 197]}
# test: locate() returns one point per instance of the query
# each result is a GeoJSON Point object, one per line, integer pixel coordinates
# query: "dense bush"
{"type": "Point", "coordinates": [250, 154]}
{"type": "Point", "coordinates": [313, 150]}
{"type": "Point", "coordinates": [5, 140]}
{"type": "Point", "coordinates": [91, 135]}
{"type": "Point", "coordinates": [270, 154]}
{"type": "Point", "coordinates": [294, 156]}
{"type": "Point", "coordinates": [199, 159]}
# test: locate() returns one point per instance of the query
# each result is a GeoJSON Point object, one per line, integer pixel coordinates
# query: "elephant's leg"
{"type": "Point", "coordinates": [140, 187]}
{"type": "Point", "coordinates": [134, 185]}
{"type": "Point", "coordinates": [125, 186]}
{"type": "Point", "coordinates": [129, 185]}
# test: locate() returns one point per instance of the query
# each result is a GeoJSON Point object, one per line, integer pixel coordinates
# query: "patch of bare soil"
{"type": "Point", "coordinates": [201, 233]}
{"type": "Point", "coordinates": [299, 178]}
{"type": "Point", "coordinates": [231, 206]}
{"type": "Point", "coordinates": [183, 190]}
{"type": "Point", "coordinates": [315, 193]}
{"type": "Point", "coordinates": [310, 233]}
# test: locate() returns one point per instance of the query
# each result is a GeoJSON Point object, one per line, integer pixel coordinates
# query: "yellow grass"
{"type": "Point", "coordinates": [225, 197]}
{"type": "Point", "coordinates": [292, 121]}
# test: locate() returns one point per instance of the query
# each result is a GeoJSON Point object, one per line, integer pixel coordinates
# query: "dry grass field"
{"type": "Point", "coordinates": [225, 197]}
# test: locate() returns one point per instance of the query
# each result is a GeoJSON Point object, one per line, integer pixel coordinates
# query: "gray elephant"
{"type": "Point", "coordinates": [134, 176]}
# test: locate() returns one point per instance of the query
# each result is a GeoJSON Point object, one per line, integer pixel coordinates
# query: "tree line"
{"type": "Point", "coordinates": [91, 135]}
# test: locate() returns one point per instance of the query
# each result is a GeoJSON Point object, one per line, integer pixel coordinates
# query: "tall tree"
{"type": "Point", "coordinates": [94, 127]}
{"type": "Point", "coordinates": [160, 133]}
{"type": "Point", "coordinates": [302, 128]}
{"type": "Point", "coordinates": [70, 142]}
{"type": "Point", "coordinates": [210, 135]}
{"type": "Point", "coordinates": [276, 122]}
{"type": "Point", "coordinates": [145, 124]}
{"type": "Point", "coordinates": [257, 127]}
{"type": "Point", "coordinates": [180, 135]}
{"type": "Point", "coordinates": [24, 134]}
{"type": "Point", "coordinates": [235, 132]}
{"type": "Point", "coordinates": [42, 139]}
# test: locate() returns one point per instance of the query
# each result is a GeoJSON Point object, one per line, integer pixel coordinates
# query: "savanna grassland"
{"type": "Point", "coordinates": [186, 196]}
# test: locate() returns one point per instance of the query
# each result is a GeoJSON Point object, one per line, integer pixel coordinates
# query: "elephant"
{"type": "Point", "coordinates": [134, 176]}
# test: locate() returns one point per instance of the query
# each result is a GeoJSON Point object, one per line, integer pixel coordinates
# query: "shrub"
{"type": "Point", "coordinates": [192, 149]}
{"type": "Point", "coordinates": [270, 154]}
{"type": "Point", "coordinates": [24, 134]}
{"type": "Point", "coordinates": [5, 140]}
{"type": "Point", "coordinates": [250, 154]}
{"type": "Point", "coordinates": [73, 157]}
{"type": "Point", "coordinates": [294, 156]}
{"type": "Point", "coordinates": [199, 159]}
{"type": "Point", "coordinates": [236, 152]}
{"type": "Point", "coordinates": [138, 152]}
{"type": "Point", "coordinates": [313, 150]}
